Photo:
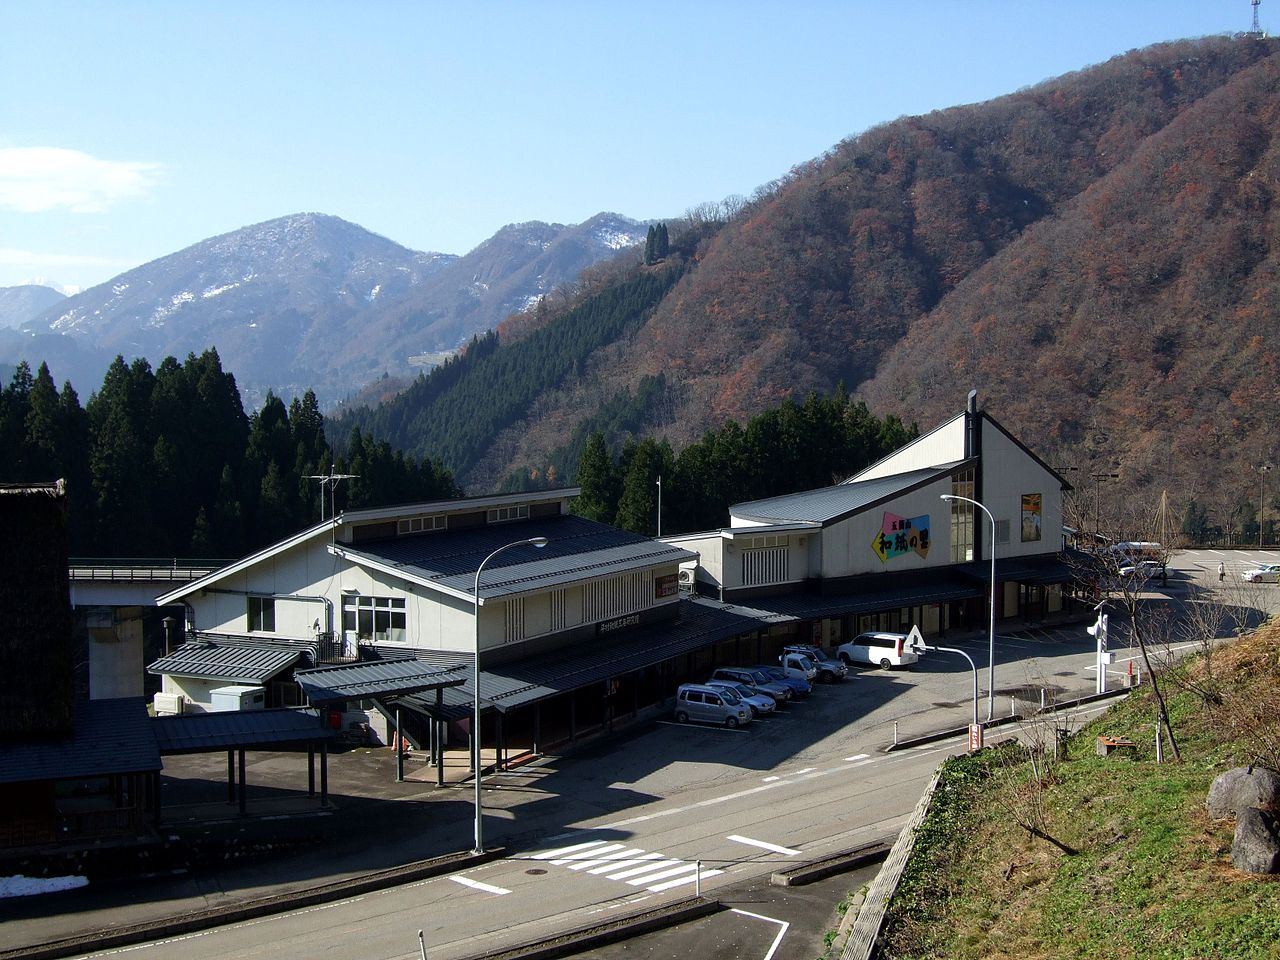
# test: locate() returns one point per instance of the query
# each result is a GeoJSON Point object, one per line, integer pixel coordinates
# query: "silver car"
{"type": "Point", "coordinates": [759, 703]}
{"type": "Point", "coordinates": [1263, 573]}
{"type": "Point", "coordinates": [697, 701]}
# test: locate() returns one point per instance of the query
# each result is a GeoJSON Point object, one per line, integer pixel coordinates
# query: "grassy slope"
{"type": "Point", "coordinates": [1153, 877]}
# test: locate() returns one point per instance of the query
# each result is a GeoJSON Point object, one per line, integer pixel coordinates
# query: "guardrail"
{"type": "Point", "coordinates": [140, 568]}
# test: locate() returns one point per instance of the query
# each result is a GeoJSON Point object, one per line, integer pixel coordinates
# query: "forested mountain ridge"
{"type": "Point", "coordinates": [873, 264]}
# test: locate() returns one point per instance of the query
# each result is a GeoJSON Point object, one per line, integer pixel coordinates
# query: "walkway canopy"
{"type": "Point", "coordinates": [376, 680]}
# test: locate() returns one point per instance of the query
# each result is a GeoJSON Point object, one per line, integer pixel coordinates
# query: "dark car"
{"type": "Point", "coordinates": [799, 688]}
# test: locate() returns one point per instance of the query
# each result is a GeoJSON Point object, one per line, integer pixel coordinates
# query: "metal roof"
{"type": "Point", "coordinates": [243, 662]}
{"type": "Point", "coordinates": [577, 549]}
{"type": "Point", "coordinates": [520, 683]}
{"type": "Point", "coordinates": [884, 592]}
{"type": "Point", "coordinates": [374, 679]}
{"type": "Point", "coordinates": [247, 729]}
{"type": "Point", "coordinates": [1042, 568]}
{"type": "Point", "coordinates": [108, 737]}
{"type": "Point", "coordinates": [829, 504]}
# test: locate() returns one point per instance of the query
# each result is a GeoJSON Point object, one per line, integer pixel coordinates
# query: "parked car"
{"type": "Point", "coordinates": [760, 703]}
{"type": "Point", "coordinates": [798, 665]}
{"type": "Point", "coordinates": [756, 679]}
{"type": "Point", "coordinates": [882, 649]}
{"type": "Point", "coordinates": [1142, 569]}
{"type": "Point", "coordinates": [696, 701]}
{"type": "Point", "coordinates": [1263, 573]}
{"type": "Point", "coordinates": [829, 668]}
{"type": "Point", "coordinates": [800, 688]}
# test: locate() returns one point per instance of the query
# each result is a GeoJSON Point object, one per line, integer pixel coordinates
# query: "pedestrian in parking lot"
{"type": "Point", "coordinates": [1222, 571]}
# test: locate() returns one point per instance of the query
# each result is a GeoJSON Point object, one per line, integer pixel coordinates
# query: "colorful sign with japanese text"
{"type": "Point", "coordinates": [1030, 517]}
{"type": "Point", "coordinates": [899, 535]}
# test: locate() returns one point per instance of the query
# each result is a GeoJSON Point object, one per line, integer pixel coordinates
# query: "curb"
{"type": "Point", "coordinates": [997, 722]}
{"type": "Point", "coordinates": [600, 934]}
{"type": "Point", "coordinates": [829, 866]}
{"type": "Point", "coordinates": [249, 909]}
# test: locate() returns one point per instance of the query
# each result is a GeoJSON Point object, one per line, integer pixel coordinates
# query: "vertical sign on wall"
{"type": "Point", "coordinates": [1031, 503]}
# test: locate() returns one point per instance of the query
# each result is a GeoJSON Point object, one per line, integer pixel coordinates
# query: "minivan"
{"type": "Point", "coordinates": [696, 701]}
{"type": "Point", "coordinates": [886, 650]}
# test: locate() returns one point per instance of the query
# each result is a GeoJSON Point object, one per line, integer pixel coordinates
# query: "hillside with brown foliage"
{"type": "Point", "coordinates": [1093, 254]}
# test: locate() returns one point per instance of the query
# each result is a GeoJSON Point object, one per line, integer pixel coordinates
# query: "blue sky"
{"type": "Point", "coordinates": [129, 130]}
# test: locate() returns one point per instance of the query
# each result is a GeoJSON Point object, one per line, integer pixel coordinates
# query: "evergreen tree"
{"type": "Point", "coordinates": [598, 478]}
{"type": "Point", "coordinates": [662, 243]}
{"type": "Point", "coordinates": [650, 246]}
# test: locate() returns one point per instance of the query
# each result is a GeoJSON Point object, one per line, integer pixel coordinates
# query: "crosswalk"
{"type": "Point", "coordinates": [631, 865]}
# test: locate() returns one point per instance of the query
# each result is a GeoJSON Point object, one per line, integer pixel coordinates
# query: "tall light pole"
{"type": "Point", "coordinates": [475, 718]}
{"type": "Point", "coordinates": [659, 506]}
{"type": "Point", "coordinates": [991, 636]}
{"type": "Point", "coordinates": [1262, 500]}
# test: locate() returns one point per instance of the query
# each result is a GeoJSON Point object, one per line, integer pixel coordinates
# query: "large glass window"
{"type": "Point", "coordinates": [374, 618]}
{"type": "Point", "coordinates": [262, 615]}
{"type": "Point", "coordinates": [962, 517]}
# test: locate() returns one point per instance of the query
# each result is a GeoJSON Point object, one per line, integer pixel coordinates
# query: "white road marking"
{"type": "Point", "coordinates": [688, 868]}
{"type": "Point", "coordinates": [623, 864]}
{"type": "Point", "coordinates": [561, 851]}
{"type": "Point", "coordinates": [856, 756]}
{"type": "Point", "coordinates": [647, 868]}
{"type": "Point", "coordinates": [776, 940]}
{"type": "Point", "coordinates": [773, 847]}
{"type": "Point", "coordinates": [805, 770]}
{"type": "Point", "coordinates": [613, 857]}
{"type": "Point", "coordinates": [681, 881]}
{"type": "Point", "coordinates": [477, 885]}
{"type": "Point", "coordinates": [771, 779]}
{"type": "Point", "coordinates": [589, 854]}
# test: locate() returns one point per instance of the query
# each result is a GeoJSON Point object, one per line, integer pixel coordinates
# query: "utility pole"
{"type": "Point", "coordinates": [1098, 480]}
{"type": "Point", "coordinates": [1262, 490]}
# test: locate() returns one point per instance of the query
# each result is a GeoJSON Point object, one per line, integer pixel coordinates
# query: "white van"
{"type": "Point", "coordinates": [697, 701]}
{"type": "Point", "coordinates": [885, 650]}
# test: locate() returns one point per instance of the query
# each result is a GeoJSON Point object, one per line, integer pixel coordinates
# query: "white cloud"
{"type": "Point", "coordinates": [39, 179]}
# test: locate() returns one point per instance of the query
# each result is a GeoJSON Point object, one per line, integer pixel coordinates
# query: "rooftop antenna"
{"type": "Point", "coordinates": [1256, 30]}
{"type": "Point", "coordinates": [330, 480]}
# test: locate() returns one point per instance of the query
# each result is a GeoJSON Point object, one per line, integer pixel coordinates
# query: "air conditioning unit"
{"type": "Point", "coordinates": [687, 577]}
{"type": "Point", "coordinates": [169, 704]}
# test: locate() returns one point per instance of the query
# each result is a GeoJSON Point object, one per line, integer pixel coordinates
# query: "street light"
{"type": "Point", "coordinates": [475, 719]}
{"type": "Point", "coordinates": [1262, 500]}
{"type": "Point", "coordinates": [991, 637]}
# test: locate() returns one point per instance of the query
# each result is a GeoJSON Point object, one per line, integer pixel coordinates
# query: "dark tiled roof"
{"type": "Point", "coordinates": [1043, 568]}
{"type": "Point", "coordinates": [880, 593]}
{"type": "Point", "coordinates": [576, 549]}
{"type": "Point", "coordinates": [834, 503]}
{"type": "Point", "coordinates": [510, 685]}
{"type": "Point", "coordinates": [234, 662]}
{"type": "Point", "coordinates": [108, 737]}
{"type": "Point", "coordinates": [251, 729]}
{"type": "Point", "coordinates": [375, 678]}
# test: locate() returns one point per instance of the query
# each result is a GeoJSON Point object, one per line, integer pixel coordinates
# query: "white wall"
{"type": "Point", "coordinates": [710, 547]}
{"type": "Point", "coordinates": [1007, 474]}
{"type": "Point", "coordinates": [847, 546]}
{"type": "Point", "coordinates": [944, 444]}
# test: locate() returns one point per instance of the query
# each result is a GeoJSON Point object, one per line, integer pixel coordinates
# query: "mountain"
{"type": "Point", "coordinates": [310, 302]}
{"type": "Point", "coordinates": [20, 304]}
{"type": "Point", "coordinates": [1094, 254]}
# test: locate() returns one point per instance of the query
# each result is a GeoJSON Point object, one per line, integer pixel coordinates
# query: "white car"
{"type": "Point", "coordinates": [878, 648]}
{"type": "Point", "coordinates": [1142, 569]}
{"type": "Point", "coordinates": [1263, 573]}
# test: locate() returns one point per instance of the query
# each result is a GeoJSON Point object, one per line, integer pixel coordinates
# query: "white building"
{"type": "Point", "coordinates": [883, 550]}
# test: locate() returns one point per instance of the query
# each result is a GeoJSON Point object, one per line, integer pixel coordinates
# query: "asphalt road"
{"type": "Point", "coordinates": [647, 815]}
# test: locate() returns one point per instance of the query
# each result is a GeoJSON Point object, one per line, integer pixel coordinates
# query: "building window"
{"type": "Point", "coordinates": [262, 615]}
{"type": "Point", "coordinates": [616, 596]}
{"type": "Point", "coordinates": [420, 524]}
{"type": "Point", "coordinates": [962, 517]}
{"type": "Point", "coordinates": [507, 514]}
{"type": "Point", "coordinates": [378, 619]}
{"type": "Point", "coordinates": [1002, 531]}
